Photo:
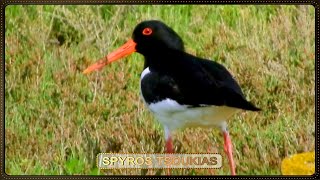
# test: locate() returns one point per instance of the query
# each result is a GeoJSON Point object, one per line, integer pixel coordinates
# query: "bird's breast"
{"type": "Point", "coordinates": [151, 86]}
{"type": "Point", "coordinates": [143, 85]}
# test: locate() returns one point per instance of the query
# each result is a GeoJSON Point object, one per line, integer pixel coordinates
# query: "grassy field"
{"type": "Point", "coordinates": [57, 119]}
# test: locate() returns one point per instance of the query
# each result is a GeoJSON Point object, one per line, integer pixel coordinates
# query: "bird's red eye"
{"type": "Point", "coordinates": [147, 31]}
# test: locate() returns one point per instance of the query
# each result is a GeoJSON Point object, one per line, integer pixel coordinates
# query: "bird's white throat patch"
{"type": "Point", "coordinates": [145, 72]}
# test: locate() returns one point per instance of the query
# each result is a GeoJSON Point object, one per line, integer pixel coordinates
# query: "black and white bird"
{"type": "Point", "coordinates": [180, 89]}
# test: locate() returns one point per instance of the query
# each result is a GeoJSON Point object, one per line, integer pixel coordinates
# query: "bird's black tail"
{"type": "Point", "coordinates": [249, 106]}
{"type": "Point", "coordinates": [240, 102]}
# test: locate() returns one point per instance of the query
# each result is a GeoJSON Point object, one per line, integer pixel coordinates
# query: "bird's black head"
{"type": "Point", "coordinates": [148, 38]}
{"type": "Point", "coordinates": [153, 36]}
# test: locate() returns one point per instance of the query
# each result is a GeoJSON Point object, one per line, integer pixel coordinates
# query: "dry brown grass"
{"type": "Point", "coordinates": [57, 119]}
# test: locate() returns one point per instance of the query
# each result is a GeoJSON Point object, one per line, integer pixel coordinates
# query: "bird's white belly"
{"type": "Point", "coordinates": [174, 116]}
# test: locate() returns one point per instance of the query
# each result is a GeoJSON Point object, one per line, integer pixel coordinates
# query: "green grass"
{"type": "Point", "coordinates": [57, 119]}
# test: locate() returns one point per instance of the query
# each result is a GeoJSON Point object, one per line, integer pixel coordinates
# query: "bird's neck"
{"type": "Point", "coordinates": [161, 59]}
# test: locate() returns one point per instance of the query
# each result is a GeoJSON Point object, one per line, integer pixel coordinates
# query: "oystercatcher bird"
{"type": "Point", "coordinates": [180, 89]}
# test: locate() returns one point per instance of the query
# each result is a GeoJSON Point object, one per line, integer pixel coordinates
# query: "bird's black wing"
{"type": "Point", "coordinates": [195, 82]}
{"type": "Point", "coordinates": [226, 86]}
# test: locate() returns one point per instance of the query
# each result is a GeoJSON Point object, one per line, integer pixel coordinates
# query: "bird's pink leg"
{"type": "Point", "coordinates": [169, 145]}
{"type": "Point", "coordinates": [228, 150]}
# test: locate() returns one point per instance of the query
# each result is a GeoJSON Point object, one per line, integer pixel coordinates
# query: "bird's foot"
{"type": "Point", "coordinates": [168, 172]}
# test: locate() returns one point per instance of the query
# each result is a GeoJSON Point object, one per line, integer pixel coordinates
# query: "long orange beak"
{"type": "Point", "coordinates": [128, 48]}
